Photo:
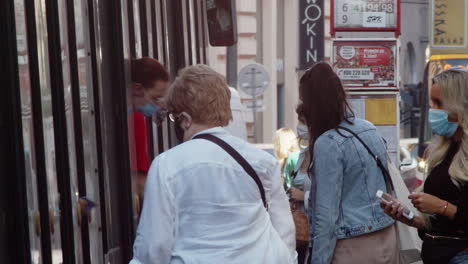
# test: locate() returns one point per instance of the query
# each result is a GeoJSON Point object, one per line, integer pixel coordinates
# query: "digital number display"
{"type": "Point", "coordinates": [365, 14]}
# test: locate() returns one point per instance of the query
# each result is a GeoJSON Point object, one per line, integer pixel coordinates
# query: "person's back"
{"type": "Point", "coordinates": [200, 205]}
{"type": "Point", "coordinates": [344, 215]}
{"type": "Point", "coordinates": [361, 175]}
{"type": "Point", "coordinates": [219, 215]}
{"type": "Point", "coordinates": [343, 160]}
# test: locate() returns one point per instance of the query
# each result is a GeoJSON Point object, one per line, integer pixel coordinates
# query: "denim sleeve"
{"type": "Point", "coordinates": [328, 173]}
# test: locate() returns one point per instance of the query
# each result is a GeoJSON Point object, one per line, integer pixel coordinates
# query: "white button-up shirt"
{"type": "Point", "coordinates": [202, 207]}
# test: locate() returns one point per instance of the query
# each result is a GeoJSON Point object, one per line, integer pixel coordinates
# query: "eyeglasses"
{"type": "Point", "coordinates": [157, 100]}
{"type": "Point", "coordinates": [173, 117]}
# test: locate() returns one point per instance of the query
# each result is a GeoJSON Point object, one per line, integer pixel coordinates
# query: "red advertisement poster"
{"type": "Point", "coordinates": [365, 63]}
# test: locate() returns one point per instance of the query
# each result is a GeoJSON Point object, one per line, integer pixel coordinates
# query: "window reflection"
{"type": "Point", "coordinates": [86, 100]}
{"type": "Point", "coordinates": [48, 126]}
{"type": "Point", "coordinates": [65, 52]}
{"type": "Point", "coordinates": [28, 131]}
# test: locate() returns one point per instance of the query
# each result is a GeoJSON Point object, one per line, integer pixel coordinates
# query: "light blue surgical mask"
{"type": "Point", "coordinates": [302, 131]}
{"type": "Point", "coordinates": [438, 121]}
{"type": "Point", "coordinates": [148, 109]}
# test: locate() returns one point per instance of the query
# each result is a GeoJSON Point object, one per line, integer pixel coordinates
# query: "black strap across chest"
{"type": "Point", "coordinates": [238, 157]}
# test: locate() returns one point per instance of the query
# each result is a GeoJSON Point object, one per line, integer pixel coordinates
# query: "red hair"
{"type": "Point", "coordinates": [147, 71]}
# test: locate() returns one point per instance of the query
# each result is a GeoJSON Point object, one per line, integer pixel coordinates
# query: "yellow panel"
{"type": "Point", "coordinates": [381, 111]}
{"type": "Point", "coordinates": [449, 23]}
{"type": "Point", "coordinates": [448, 57]}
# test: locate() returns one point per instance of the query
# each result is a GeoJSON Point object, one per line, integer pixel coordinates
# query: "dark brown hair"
{"type": "Point", "coordinates": [147, 71]}
{"type": "Point", "coordinates": [324, 100]}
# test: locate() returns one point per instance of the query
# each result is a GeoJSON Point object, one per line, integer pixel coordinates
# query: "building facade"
{"type": "Point", "coordinates": [268, 33]}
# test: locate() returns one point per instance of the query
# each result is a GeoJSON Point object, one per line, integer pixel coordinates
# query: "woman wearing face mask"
{"type": "Point", "coordinates": [444, 200]}
{"type": "Point", "coordinates": [203, 204]}
{"type": "Point", "coordinates": [300, 182]}
{"type": "Point", "coordinates": [149, 85]}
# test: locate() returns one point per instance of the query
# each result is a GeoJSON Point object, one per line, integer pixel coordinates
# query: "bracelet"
{"type": "Point", "coordinates": [445, 208]}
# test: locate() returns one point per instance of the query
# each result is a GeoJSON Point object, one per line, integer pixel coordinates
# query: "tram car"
{"type": "Point", "coordinates": [65, 132]}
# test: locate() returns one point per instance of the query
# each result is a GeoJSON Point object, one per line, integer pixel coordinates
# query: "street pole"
{"type": "Point", "coordinates": [231, 65]}
{"type": "Point", "coordinates": [254, 105]}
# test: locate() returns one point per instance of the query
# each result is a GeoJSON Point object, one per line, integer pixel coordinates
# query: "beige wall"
{"type": "Point", "coordinates": [269, 17]}
{"type": "Point", "coordinates": [291, 61]}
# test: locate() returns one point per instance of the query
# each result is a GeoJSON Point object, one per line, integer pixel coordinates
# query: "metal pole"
{"type": "Point", "coordinates": [423, 112]}
{"type": "Point", "coordinates": [254, 106]}
{"type": "Point", "coordinates": [231, 65]}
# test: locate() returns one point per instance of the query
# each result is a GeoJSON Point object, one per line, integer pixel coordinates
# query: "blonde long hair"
{"type": "Point", "coordinates": [453, 85]}
{"type": "Point", "coordinates": [285, 142]}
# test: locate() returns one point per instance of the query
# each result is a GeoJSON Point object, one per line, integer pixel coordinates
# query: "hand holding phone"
{"type": "Point", "coordinates": [388, 199]}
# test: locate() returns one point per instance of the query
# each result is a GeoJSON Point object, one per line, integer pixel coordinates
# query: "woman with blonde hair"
{"type": "Point", "coordinates": [286, 148]}
{"type": "Point", "coordinates": [444, 201]}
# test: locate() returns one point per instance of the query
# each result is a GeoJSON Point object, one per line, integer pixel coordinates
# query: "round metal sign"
{"type": "Point", "coordinates": [253, 79]}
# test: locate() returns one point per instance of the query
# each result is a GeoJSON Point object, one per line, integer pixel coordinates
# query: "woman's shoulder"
{"type": "Point", "coordinates": [339, 136]}
{"type": "Point", "coordinates": [293, 156]}
{"type": "Point", "coordinates": [357, 124]}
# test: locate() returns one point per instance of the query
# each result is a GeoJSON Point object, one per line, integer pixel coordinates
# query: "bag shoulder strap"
{"type": "Point", "coordinates": [385, 173]}
{"type": "Point", "coordinates": [238, 157]}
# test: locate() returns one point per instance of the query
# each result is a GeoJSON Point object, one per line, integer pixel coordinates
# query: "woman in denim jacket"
{"type": "Point", "coordinates": [347, 224]}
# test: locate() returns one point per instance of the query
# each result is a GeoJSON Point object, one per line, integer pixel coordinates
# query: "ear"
{"type": "Point", "coordinates": [187, 121]}
{"type": "Point", "coordinates": [138, 89]}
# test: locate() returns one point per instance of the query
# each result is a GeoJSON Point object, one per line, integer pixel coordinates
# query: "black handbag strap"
{"type": "Point", "coordinates": [231, 151]}
{"type": "Point", "coordinates": [385, 173]}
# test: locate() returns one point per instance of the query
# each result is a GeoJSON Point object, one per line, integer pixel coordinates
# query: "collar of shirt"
{"type": "Point", "coordinates": [212, 131]}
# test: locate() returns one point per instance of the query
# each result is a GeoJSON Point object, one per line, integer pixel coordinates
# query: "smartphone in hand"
{"type": "Point", "coordinates": [388, 199]}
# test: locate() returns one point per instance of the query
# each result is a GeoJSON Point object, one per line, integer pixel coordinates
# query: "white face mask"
{"type": "Point", "coordinates": [302, 131]}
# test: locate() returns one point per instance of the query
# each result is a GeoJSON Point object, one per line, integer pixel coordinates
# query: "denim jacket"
{"type": "Point", "coordinates": [345, 178]}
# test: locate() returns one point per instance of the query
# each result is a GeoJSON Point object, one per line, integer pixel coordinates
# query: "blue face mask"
{"type": "Point", "coordinates": [148, 109]}
{"type": "Point", "coordinates": [438, 121]}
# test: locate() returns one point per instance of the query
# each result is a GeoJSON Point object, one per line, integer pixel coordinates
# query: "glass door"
{"type": "Point", "coordinates": [28, 133]}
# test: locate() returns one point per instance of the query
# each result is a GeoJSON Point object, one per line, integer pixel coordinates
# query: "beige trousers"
{"type": "Point", "coordinates": [374, 248]}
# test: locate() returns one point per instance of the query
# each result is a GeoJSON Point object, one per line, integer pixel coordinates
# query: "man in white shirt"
{"type": "Point", "coordinates": [201, 206]}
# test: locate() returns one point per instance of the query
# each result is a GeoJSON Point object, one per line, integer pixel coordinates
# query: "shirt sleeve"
{"type": "Point", "coordinates": [280, 214]}
{"type": "Point", "coordinates": [156, 230]}
{"type": "Point", "coordinates": [328, 175]}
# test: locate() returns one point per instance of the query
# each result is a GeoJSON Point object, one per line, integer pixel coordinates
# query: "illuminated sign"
{"type": "Point", "coordinates": [361, 14]}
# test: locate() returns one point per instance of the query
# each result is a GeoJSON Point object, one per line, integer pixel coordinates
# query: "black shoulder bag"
{"type": "Point", "coordinates": [231, 151]}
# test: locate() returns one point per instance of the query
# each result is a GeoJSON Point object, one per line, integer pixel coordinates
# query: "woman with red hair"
{"type": "Point", "coordinates": [149, 85]}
